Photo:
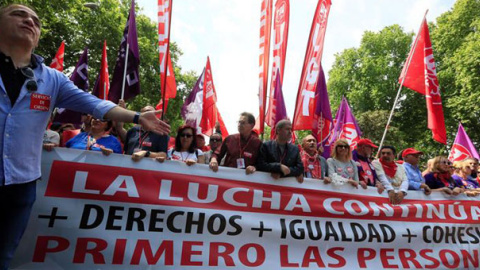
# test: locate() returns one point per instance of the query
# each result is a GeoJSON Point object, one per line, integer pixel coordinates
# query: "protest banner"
{"type": "Point", "coordinates": [99, 212]}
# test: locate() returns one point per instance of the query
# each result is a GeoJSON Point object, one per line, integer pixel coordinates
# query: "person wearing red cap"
{"type": "Point", "coordinates": [411, 157]}
{"type": "Point", "coordinates": [366, 171]}
{"type": "Point", "coordinates": [391, 174]}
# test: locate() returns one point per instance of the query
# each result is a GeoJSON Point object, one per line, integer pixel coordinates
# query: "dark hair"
{"type": "Point", "coordinates": [282, 123]}
{"type": "Point", "coordinates": [249, 116]}
{"type": "Point", "coordinates": [55, 126]}
{"type": "Point", "coordinates": [178, 143]}
{"type": "Point", "coordinates": [389, 147]}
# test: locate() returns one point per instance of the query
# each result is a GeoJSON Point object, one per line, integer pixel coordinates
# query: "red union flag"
{"type": "Point", "coordinates": [280, 32]}
{"type": "Point", "coordinates": [421, 76]}
{"type": "Point", "coordinates": [304, 107]}
{"type": "Point", "coordinates": [209, 109]}
{"type": "Point", "coordinates": [57, 62]}
{"type": "Point", "coordinates": [265, 31]}
{"type": "Point", "coordinates": [167, 77]}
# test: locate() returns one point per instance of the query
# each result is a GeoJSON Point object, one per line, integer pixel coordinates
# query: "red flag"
{"type": "Point", "coordinates": [421, 76]}
{"type": "Point", "coordinates": [167, 77]}
{"type": "Point", "coordinates": [104, 80]}
{"type": "Point", "coordinates": [171, 87]}
{"type": "Point", "coordinates": [265, 31]}
{"type": "Point", "coordinates": [223, 128]}
{"type": "Point", "coordinates": [57, 62]}
{"type": "Point", "coordinates": [280, 28]}
{"type": "Point", "coordinates": [209, 110]}
{"type": "Point", "coordinates": [304, 107]}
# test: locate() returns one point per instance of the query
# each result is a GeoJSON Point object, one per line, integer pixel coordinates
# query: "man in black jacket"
{"type": "Point", "coordinates": [279, 157]}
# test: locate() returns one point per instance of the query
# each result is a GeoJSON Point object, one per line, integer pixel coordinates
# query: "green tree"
{"type": "Point", "coordinates": [79, 26]}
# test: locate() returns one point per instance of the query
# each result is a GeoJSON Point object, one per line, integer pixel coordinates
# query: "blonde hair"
{"type": "Point", "coordinates": [436, 163]}
{"type": "Point", "coordinates": [342, 142]}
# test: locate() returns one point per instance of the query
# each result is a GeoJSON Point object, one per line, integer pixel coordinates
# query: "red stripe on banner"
{"type": "Point", "coordinates": [265, 32]}
{"type": "Point", "coordinates": [108, 183]}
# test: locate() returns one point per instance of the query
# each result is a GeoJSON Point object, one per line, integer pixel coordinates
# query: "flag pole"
{"type": "Point", "coordinates": [166, 59]}
{"type": "Point", "coordinates": [125, 68]}
{"type": "Point", "coordinates": [409, 59]}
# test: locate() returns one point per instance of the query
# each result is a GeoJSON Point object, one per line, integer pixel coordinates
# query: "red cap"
{"type": "Point", "coordinates": [367, 142]}
{"type": "Point", "coordinates": [410, 151]}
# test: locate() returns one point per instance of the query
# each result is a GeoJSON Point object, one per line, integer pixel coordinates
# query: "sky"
{"type": "Point", "coordinates": [228, 31]}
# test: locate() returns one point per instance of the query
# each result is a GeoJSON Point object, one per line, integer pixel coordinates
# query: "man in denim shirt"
{"type": "Point", "coordinates": [416, 181]}
{"type": "Point", "coordinates": [29, 92]}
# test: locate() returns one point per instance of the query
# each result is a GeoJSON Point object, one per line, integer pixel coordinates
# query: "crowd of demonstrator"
{"type": "Point", "coordinates": [397, 174]}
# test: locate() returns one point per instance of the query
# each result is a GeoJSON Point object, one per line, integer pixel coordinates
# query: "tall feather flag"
{"type": "Point", "coordinates": [265, 32]}
{"type": "Point", "coordinates": [126, 76]}
{"type": "Point", "coordinates": [209, 112]}
{"type": "Point", "coordinates": [168, 86]}
{"type": "Point", "coordinates": [462, 147]}
{"type": "Point", "coordinates": [102, 84]}
{"type": "Point", "coordinates": [79, 77]}
{"type": "Point", "coordinates": [305, 104]}
{"type": "Point", "coordinates": [346, 126]}
{"type": "Point", "coordinates": [279, 111]}
{"type": "Point", "coordinates": [421, 76]}
{"type": "Point", "coordinates": [57, 62]}
{"type": "Point", "coordinates": [322, 117]}
{"type": "Point", "coordinates": [280, 33]}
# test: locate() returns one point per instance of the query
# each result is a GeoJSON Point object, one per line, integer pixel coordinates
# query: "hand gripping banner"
{"type": "Point", "coordinates": [98, 212]}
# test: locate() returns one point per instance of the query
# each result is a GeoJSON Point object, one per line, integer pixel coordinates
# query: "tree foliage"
{"type": "Point", "coordinates": [368, 77]}
{"type": "Point", "coordinates": [82, 27]}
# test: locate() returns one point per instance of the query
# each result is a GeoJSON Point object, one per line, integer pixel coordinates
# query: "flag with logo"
{"type": "Point", "coordinates": [462, 147]}
{"type": "Point", "coordinates": [57, 62]}
{"type": "Point", "coordinates": [322, 117]}
{"type": "Point", "coordinates": [346, 126]}
{"type": "Point", "coordinates": [280, 33]}
{"type": "Point", "coordinates": [127, 79]}
{"type": "Point", "coordinates": [209, 111]}
{"type": "Point", "coordinates": [265, 31]}
{"type": "Point", "coordinates": [421, 76]}
{"type": "Point", "coordinates": [192, 108]}
{"type": "Point", "coordinates": [305, 105]}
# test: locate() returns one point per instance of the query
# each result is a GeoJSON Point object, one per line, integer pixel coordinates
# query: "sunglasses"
{"type": "Point", "coordinates": [27, 72]}
{"type": "Point", "coordinates": [343, 146]}
{"type": "Point", "coordinates": [446, 163]}
{"type": "Point", "coordinates": [186, 135]}
{"type": "Point", "coordinates": [215, 140]}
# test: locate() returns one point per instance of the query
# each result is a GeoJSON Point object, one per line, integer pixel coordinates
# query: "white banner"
{"type": "Point", "coordinates": [98, 212]}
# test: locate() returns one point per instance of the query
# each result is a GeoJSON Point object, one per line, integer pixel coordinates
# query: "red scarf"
{"type": "Point", "coordinates": [390, 168]}
{"type": "Point", "coordinates": [445, 177]}
{"type": "Point", "coordinates": [312, 161]}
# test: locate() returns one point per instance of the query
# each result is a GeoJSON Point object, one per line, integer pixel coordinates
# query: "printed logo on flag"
{"type": "Point", "coordinates": [459, 153]}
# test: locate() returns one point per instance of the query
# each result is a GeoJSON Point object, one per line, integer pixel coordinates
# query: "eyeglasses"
{"type": "Point", "coordinates": [446, 163]}
{"type": "Point", "coordinates": [101, 120]}
{"type": "Point", "coordinates": [186, 135]}
{"type": "Point", "coordinates": [215, 140]}
{"type": "Point", "coordinates": [343, 146]}
{"type": "Point", "coordinates": [27, 72]}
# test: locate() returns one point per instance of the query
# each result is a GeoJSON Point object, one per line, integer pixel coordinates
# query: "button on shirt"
{"type": "Point", "coordinates": [414, 175]}
{"type": "Point", "coordinates": [22, 128]}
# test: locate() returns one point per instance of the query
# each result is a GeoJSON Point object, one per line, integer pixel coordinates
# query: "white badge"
{"type": "Point", "coordinates": [310, 166]}
{"type": "Point", "coordinates": [240, 163]}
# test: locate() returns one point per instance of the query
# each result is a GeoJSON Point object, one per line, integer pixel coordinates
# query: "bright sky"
{"type": "Point", "coordinates": [228, 32]}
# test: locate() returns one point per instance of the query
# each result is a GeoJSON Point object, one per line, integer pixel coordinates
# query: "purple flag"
{"type": "Point", "coordinates": [345, 126]}
{"type": "Point", "coordinates": [132, 76]}
{"type": "Point", "coordinates": [462, 147]}
{"type": "Point", "coordinates": [322, 118]}
{"type": "Point", "coordinates": [192, 108]}
{"type": "Point", "coordinates": [79, 77]}
{"type": "Point", "coordinates": [278, 106]}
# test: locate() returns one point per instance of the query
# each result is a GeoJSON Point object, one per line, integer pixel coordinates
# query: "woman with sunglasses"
{"type": "Point", "coordinates": [341, 165]}
{"type": "Point", "coordinates": [463, 178]}
{"type": "Point", "coordinates": [185, 147]}
{"type": "Point", "coordinates": [440, 178]}
{"type": "Point", "coordinates": [97, 139]}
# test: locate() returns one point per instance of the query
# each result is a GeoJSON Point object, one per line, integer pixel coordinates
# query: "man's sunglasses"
{"type": "Point", "coordinates": [30, 76]}
{"type": "Point", "coordinates": [343, 146]}
{"type": "Point", "coordinates": [215, 140]}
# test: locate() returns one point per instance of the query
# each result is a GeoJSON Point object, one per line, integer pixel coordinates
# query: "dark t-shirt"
{"type": "Point", "coordinates": [150, 141]}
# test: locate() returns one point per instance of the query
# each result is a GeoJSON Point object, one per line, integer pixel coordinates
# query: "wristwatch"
{"type": "Point", "coordinates": [147, 154]}
{"type": "Point", "coordinates": [136, 118]}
